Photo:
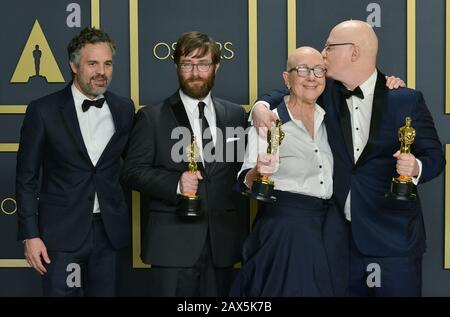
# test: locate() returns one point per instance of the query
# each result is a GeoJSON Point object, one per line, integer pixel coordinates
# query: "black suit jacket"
{"type": "Point", "coordinates": [168, 239]}
{"type": "Point", "coordinates": [380, 226]}
{"type": "Point", "coordinates": [58, 208]}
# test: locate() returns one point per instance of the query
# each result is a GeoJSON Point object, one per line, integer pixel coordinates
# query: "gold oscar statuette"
{"type": "Point", "coordinates": [262, 188]}
{"type": "Point", "coordinates": [402, 186]}
{"type": "Point", "coordinates": [189, 203]}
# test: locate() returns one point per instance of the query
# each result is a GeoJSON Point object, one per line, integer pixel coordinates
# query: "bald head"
{"type": "Point", "coordinates": [360, 33]}
{"type": "Point", "coordinates": [301, 54]}
{"type": "Point", "coordinates": [351, 52]}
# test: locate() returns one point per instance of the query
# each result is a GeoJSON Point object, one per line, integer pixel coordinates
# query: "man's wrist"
{"type": "Point", "coordinates": [416, 179]}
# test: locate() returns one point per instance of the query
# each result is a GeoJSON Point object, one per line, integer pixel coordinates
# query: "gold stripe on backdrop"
{"type": "Point", "coordinates": [253, 77]}
{"type": "Point", "coordinates": [134, 90]}
{"type": "Point", "coordinates": [13, 263]}
{"type": "Point", "coordinates": [9, 147]}
{"type": "Point", "coordinates": [253, 50]}
{"type": "Point", "coordinates": [292, 25]}
{"type": "Point", "coordinates": [13, 109]}
{"type": "Point", "coordinates": [95, 13]}
{"type": "Point", "coordinates": [134, 54]}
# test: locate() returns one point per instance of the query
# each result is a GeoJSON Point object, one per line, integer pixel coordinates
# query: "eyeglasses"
{"type": "Point", "coordinates": [304, 71]}
{"type": "Point", "coordinates": [188, 67]}
{"type": "Point", "coordinates": [329, 45]}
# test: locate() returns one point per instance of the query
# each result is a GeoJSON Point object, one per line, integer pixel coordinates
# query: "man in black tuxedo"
{"type": "Point", "coordinates": [73, 216]}
{"type": "Point", "coordinates": [193, 255]}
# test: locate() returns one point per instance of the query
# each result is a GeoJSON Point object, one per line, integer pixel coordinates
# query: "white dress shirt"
{"type": "Point", "coordinates": [97, 128]}
{"type": "Point", "coordinates": [191, 107]}
{"type": "Point", "coordinates": [305, 164]}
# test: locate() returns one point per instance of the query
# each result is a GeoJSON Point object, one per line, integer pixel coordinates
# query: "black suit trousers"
{"type": "Point", "coordinates": [90, 270]}
{"type": "Point", "coordinates": [201, 280]}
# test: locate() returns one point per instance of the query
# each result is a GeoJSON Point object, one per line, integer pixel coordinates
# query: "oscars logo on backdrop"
{"type": "Point", "coordinates": [37, 62]}
{"type": "Point", "coordinates": [163, 51]}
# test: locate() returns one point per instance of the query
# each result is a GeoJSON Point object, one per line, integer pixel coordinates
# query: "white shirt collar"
{"type": "Point", "coordinates": [319, 112]}
{"type": "Point", "coordinates": [79, 97]}
{"type": "Point", "coordinates": [191, 104]}
{"type": "Point", "coordinates": [368, 87]}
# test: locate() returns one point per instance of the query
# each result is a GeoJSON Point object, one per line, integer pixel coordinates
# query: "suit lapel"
{"type": "Point", "coordinates": [345, 121]}
{"type": "Point", "coordinates": [70, 118]}
{"type": "Point", "coordinates": [115, 113]}
{"type": "Point", "coordinates": [180, 112]}
{"type": "Point", "coordinates": [181, 118]}
{"type": "Point", "coordinates": [378, 105]}
{"type": "Point", "coordinates": [221, 119]}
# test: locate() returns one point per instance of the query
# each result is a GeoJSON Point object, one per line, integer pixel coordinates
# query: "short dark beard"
{"type": "Point", "coordinates": [88, 89]}
{"type": "Point", "coordinates": [197, 93]}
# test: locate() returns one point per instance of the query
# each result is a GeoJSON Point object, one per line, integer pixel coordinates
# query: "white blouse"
{"type": "Point", "coordinates": [305, 164]}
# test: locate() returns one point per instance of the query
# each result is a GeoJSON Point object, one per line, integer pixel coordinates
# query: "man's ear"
{"type": "Point", "coordinates": [217, 67]}
{"type": "Point", "coordinates": [73, 67]}
{"type": "Point", "coordinates": [356, 53]}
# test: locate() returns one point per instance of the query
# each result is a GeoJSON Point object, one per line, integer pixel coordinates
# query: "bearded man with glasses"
{"type": "Point", "coordinates": [194, 255]}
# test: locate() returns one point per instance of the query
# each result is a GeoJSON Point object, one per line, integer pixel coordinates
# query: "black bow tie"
{"type": "Point", "coordinates": [348, 93]}
{"type": "Point", "coordinates": [88, 103]}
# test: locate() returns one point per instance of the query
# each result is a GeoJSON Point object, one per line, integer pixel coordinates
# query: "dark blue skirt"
{"type": "Point", "coordinates": [285, 255]}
